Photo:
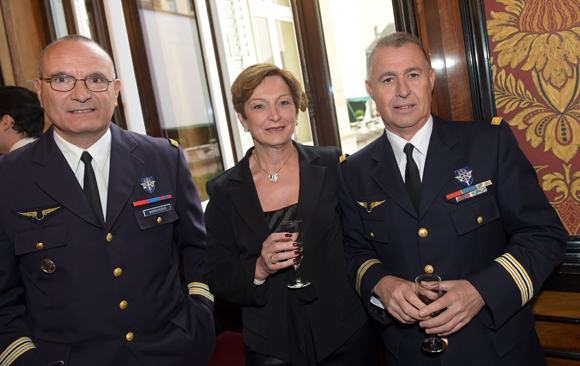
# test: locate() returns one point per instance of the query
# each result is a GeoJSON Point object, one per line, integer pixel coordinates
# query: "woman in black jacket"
{"type": "Point", "coordinates": [249, 262]}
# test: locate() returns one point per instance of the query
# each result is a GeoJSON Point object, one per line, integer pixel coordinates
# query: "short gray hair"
{"type": "Point", "coordinates": [395, 40]}
{"type": "Point", "coordinates": [73, 38]}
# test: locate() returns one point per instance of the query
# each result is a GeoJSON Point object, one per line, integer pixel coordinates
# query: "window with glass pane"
{"type": "Point", "coordinates": [276, 43]}
{"type": "Point", "coordinates": [180, 84]}
{"type": "Point", "coordinates": [350, 29]}
{"type": "Point", "coordinates": [81, 16]}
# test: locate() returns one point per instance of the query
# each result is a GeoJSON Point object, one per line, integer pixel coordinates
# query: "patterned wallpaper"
{"type": "Point", "coordinates": [535, 51]}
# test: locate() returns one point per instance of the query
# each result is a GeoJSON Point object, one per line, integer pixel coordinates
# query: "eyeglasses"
{"type": "Point", "coordinates": [66, 83]}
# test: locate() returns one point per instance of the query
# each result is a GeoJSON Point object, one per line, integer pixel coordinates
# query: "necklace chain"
{"type": "Point", "coordinates": [273, 177]}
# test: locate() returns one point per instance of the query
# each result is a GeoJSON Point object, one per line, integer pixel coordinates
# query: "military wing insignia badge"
{"type": "Point", "coordinates": [36, 215]}
{"type": "Point", "coordinates": [148, 184]}
{"type": "Point", "coordinates": [369, 207]}
{"type": "Point", "coordinates": [42, 214]}
{"type": "Point", "coordinates": [464, 176]}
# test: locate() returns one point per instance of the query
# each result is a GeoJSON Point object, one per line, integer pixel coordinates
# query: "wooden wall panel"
{"type": "Point", "coordinates": [565, 337]}
{"type": "Point", "coordinates": [560, 362]}
{"type": "Point", "coordinates": [5, 60]}
{"type": "Point", "coordinates": [442, 34]}
{"type": "Point", "coordinates": [557, 304]}
{"type": "Point", "coordinates": [26, 29]}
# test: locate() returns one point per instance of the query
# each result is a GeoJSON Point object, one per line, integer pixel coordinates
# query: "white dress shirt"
{"type": "Point", "coordinates": [421, 143]}
{"type": "Point", "coordinates": [101, 153]}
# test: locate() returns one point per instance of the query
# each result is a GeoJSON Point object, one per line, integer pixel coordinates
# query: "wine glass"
{"type": "Point", "coordinates": [294, 227]}
{"type": "Point", "coordinates": [428, 289]}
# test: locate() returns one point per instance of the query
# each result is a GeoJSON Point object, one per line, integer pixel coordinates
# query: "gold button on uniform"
{"type": "Point", "coordinates": [117, 272]}
{"type": "Point", "coordinates": [39, 245]}
{"type": "Point", "coordinates": [109, 237]}
{"type": "Point", "coordinates": [159, 220]}
{"type": "Point", "coordinates": [372, 235]}
{"type": "Point", "coordinates": [423, 232]}
{"type": "Point", "coordinates": [123, 305]}
{"type": "Point", "coordinates": [47, 266]}
{"type": "Point", "coordinates": [479, 220]}
{"type": "Point", "coordinates": [428, 269]}
{"type": "Point", "coordinates": [130, 336]}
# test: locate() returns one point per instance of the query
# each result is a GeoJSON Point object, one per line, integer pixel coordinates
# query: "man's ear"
{"type": "Point", "coordinates": [7, 122]}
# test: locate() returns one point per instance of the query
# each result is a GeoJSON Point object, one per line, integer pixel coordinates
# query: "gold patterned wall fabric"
{"type": "Point", "coordinates": [535, 52]}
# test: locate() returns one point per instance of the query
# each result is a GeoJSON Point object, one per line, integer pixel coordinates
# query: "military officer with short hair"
{"type": "Point", "coordinates": [93, 223]}
{"type": "Point", "coordinates": [454, 199]}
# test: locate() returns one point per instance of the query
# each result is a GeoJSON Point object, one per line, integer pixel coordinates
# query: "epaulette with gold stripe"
{"type": "Point", "coordinates": [496, 121]}
{"type": "Point", "coordinates": [343, 158]}
{"type": "Point", "coordinates": [198, 288]}
{"type": "Point", "coordinates": [173, 142]}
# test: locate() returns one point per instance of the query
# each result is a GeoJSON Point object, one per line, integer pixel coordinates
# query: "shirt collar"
{"type": "Point", "coordinates": [420, 140]}
{"type": "Point", "coordinates": [100, 150]}
{"type": "Point", "coordinates": [23, 142]}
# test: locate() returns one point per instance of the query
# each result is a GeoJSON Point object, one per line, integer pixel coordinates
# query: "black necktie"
{"type": "Point", "coordinates": [412, 177]}
{"type": "Point", "coordinates": [90, 187]}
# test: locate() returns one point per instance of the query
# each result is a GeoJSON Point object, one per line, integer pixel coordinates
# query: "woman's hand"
{"type": "Point", "coordinates": [278, 251]}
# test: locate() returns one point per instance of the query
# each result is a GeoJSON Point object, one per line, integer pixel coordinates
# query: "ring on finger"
{"type": "Point", "coordinates": [272, 260]}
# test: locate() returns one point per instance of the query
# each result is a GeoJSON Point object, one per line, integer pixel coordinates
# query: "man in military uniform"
{"type": "Point", "coordinates": [455, 199]}
{"type": "Point", "coordinates": [93, 222]}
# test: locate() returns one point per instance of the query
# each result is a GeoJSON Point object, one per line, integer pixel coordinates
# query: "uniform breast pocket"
{"type": "Point", "coordinates": [474, 215]}
{"type": "Point", "coordinates": [376, 230]}
{"type": "Point", "coordinates": [150, 217]}
{"type": "Point", "coordinates": [40, 239]}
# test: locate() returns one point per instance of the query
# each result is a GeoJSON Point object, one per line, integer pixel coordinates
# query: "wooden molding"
{"type": "Point", "coordinates": [5, 60]}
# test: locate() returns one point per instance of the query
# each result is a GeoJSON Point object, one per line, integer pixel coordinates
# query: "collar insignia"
{"type": "Point", "coordinates": [372, 205]}
{"type": "Point", "coordinates": [464, 176]}
{"type": "Point", "coordinates": [148, 184]}
{"type": "Point", "coordinates": [36, 215]}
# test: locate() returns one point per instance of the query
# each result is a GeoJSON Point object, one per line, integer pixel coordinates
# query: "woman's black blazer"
{"type": "Point", "coordinates": [236, 229]}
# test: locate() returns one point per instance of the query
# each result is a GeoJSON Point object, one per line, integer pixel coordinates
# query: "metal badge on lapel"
{"type": "Point", "coordinates": [464, 176]}
{"type": "Point", "coordinates": [370, 207]}
{"type": "Point", "coordinates": [148, 184]}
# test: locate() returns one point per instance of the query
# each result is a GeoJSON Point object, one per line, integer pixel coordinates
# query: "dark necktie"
{"type": "Point", "coordinates": [90, 187]}
{"type": "Point", "coordinates": [412, 177]}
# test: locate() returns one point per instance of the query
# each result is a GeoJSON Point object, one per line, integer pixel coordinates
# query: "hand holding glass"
{"type": "Point", "coordinates": [428, 289]}
{"type": "Point", "coordinates": [294, 227]}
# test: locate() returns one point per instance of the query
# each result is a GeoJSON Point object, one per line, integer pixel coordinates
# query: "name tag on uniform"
{"type": "Point", "coordinates": [157, 210]}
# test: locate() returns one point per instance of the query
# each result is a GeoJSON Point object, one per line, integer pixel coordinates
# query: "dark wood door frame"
{"type": "Point", "coordinates": [316, 73]}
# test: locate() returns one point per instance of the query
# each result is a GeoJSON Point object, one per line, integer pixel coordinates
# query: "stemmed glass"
{"type": "Point", "coordinates": [428, 289]}
{"type": "Point", "coordinates": [294, 227]}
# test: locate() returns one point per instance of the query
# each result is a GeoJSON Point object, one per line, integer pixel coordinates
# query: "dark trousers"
{"type": "Point", "coordinates": [362, 348]}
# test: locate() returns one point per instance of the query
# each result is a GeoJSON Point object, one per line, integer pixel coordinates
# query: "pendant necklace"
{"type": "Point", "coordinates": [273, 177]}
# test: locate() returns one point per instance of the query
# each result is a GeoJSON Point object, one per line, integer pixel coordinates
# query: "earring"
{"type": "Point", "coordinates": [246, 129]}
{"type": "Point", "coordinates": [296, 122]}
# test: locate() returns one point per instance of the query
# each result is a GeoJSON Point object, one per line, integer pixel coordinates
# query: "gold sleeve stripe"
{"type": "Point", "coordinates": [15, 350]}
{"type": "Point", "coordinates": [198, 288]}
{"type": "Point", "coordinates": [523, 273]}
{"type": "Point", "coordinates": [362, 270]}
{"type": "Point", "coordinates": [519, 274]}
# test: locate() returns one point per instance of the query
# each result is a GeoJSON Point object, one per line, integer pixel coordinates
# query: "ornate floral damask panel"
{"type": "Point", "coordinates": [535, 52]}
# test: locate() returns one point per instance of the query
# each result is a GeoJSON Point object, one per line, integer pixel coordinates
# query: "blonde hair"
{"type": "Point", "coordinates": [249, 79]}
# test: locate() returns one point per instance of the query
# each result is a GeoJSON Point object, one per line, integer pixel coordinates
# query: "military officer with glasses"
{"type": "Point", "coordinates": [93, 224]}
